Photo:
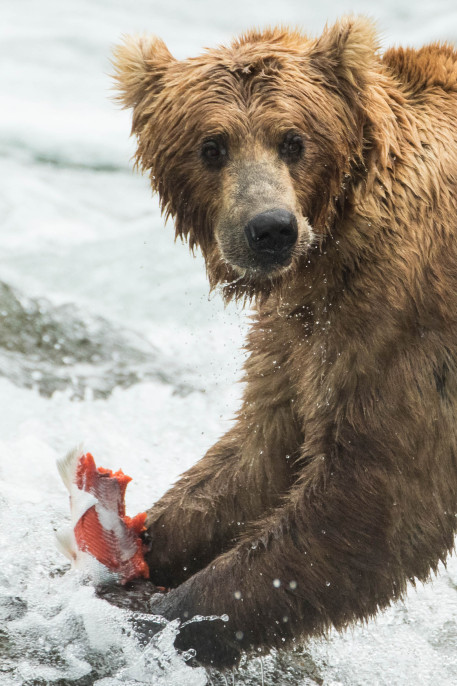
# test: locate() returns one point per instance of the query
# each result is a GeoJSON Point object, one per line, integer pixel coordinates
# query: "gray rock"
{"type": "Point", "coordinates": [54, 348]}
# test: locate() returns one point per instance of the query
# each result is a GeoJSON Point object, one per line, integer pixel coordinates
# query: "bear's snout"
{"type": "Point", "coordinates": [271, 235]}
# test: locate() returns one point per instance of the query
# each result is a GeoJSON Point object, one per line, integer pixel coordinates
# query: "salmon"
{"type": "Point", "coordinates": [100, 527]}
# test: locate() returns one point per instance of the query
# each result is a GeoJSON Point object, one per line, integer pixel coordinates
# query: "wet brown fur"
{"type": "Point", "coordinates": [339, 476]}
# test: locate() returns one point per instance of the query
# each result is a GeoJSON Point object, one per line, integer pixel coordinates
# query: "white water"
{"type": "Point", "coordinates": [78, 227]}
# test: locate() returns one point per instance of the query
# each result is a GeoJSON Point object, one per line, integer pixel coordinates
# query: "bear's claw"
{"type": "Point", "coordinates": [100, 526]}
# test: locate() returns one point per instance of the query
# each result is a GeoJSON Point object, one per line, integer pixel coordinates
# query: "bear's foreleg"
{"type": "Point", "coordinates": [241, 477]}
{"type": "Point", "coordinates": [323, 559]}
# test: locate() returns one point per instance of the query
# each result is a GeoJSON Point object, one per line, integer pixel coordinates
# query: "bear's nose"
{"type": "Point", "coordinates": [272, 234]}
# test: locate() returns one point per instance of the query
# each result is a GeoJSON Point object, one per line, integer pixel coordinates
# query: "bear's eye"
{"type": "Point", "coordinates": [291, 149]}
{"type": "Point", "coordinates": [214, 152]}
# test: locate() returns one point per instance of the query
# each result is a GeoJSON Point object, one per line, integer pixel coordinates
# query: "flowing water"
{"type": "Point", "coordinates": [108, 338]}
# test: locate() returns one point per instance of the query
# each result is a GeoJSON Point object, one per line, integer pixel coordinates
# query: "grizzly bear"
{"type": "Point", "coordinates": [319, 180]}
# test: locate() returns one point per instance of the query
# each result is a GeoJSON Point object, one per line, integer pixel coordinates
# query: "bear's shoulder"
{"type": "Point", "coordinates": [429, 67]}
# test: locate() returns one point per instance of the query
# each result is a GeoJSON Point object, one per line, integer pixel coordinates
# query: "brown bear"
{"type": "Point", "coordinates": [319, 179]}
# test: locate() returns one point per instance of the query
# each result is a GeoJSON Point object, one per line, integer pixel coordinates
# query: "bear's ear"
{"type": "Point", "coordinates": [140, 64]}
{"type": "Point", "coordinates": [347, 49]}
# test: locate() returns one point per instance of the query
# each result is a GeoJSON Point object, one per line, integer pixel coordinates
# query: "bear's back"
{"type": "Point", "coordinates": [417, 71]}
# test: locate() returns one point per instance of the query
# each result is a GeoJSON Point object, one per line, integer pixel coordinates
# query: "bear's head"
{"type": "Point", "coordinates": [252, 147]}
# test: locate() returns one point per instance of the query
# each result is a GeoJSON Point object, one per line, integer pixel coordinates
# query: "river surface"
{"type": "Point", "coordinates": [108, 338]}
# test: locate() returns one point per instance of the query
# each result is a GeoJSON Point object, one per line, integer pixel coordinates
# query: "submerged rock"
{"type": "Point", "coordinates": [54, 348]}
{"type": "Point", "coordinates": [284, 668]}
